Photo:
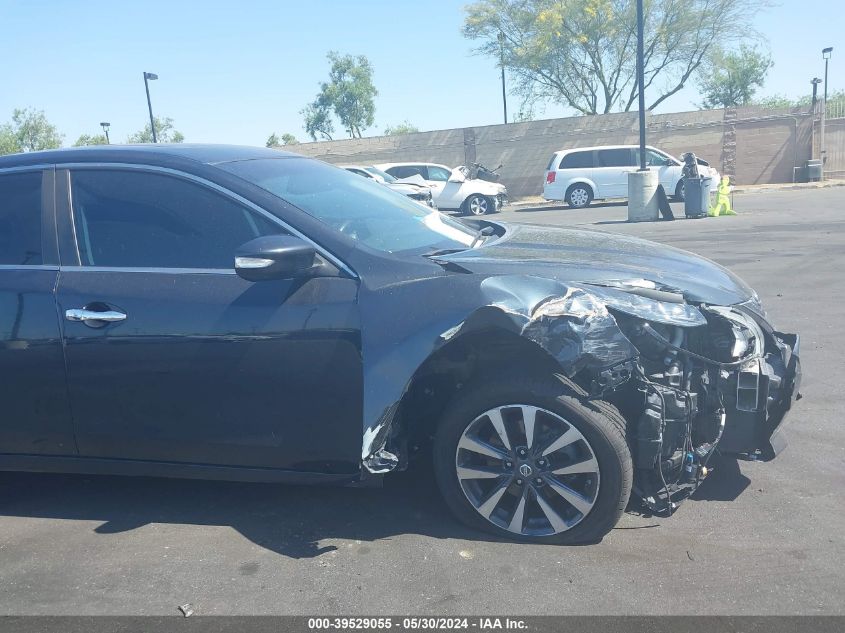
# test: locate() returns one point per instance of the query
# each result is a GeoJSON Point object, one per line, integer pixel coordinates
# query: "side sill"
{"type": "Point", "coordinates": [138, 468]}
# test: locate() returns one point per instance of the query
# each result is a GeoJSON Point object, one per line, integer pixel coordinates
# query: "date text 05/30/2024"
{"type": "Point", "coordinates": [416, 623]}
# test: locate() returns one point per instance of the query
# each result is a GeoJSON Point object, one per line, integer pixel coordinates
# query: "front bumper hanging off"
{"type": "Point", "coordinates": [760, 395]}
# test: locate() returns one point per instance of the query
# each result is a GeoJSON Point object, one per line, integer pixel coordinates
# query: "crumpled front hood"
{"type": "Point", "coordinates": [586, 256]}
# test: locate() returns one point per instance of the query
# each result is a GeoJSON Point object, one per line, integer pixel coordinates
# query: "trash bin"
{"type": "Point", "coordinates": [696, 196]}
{"type": "Point", "coordinates": [814, 170]}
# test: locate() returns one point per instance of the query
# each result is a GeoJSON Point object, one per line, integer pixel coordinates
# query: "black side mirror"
{"type": "Point", "coordinates": [275, 257]}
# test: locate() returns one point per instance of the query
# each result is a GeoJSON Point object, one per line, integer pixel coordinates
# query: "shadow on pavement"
{"type": "Point", "coordinates": [725, 483]}
{"type": "Point", "coordinates": [565, 207]}
{"type": "Point", "coordinates": [290, 520]}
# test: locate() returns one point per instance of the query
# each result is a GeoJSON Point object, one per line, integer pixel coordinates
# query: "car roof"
{"type": "Point", "coordinates": [596, 147]}
{"type": "Point", "coordinates": [384, 166]}
{"type": "Point", "coordinates": [146, 152]}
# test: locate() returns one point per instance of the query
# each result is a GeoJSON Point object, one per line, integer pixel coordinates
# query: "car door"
{"type": "Point", "coordinates": [668, 170]}
{"type": "Point", "coordinates": [446, 195]}
{"type": "Point", "coordinates": [190, 362]}
{"type": "Point", "coordinates": [35, 418]}
{"type": "Point", "coordinates": [611, 171]}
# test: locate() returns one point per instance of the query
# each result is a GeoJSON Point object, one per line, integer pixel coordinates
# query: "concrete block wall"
{"type": "Point", "coordinates": [764, 145]}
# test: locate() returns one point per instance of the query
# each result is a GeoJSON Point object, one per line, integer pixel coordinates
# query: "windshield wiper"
{"type": "Point", "coordinates": [444, 251]}
{"type": "Point", "coordinates": [480, 235]}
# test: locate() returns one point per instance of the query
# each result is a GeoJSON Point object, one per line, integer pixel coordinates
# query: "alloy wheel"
{"type": "Point", "coordinates": [527, 470]}
{"type": "Point", "coordinates": [478, 205]}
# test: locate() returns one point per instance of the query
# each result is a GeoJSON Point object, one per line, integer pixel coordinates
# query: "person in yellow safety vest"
{"type": "Point", "coordinates": [723, 199]}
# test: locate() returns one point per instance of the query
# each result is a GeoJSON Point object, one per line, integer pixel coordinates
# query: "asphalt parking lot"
{"type": "Point", "coordinates": [756, 538]}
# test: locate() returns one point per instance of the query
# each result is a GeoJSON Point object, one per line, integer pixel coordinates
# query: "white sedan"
{"type": "Point", "coordinates": [452, 189]}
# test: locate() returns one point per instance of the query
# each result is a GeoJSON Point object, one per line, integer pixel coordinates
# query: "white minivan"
{"type": "Point", "coordinates": [579, 176]}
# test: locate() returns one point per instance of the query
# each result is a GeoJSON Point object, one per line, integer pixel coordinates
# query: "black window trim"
{"type": "Point", "coordinates": [47, 217]}
{"type": "Point", "coordinates": [227, 193]}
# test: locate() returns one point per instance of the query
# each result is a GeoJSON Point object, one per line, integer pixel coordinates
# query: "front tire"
{"type": "Point", "coordinates": [477, 204]}
{"type": "Point", "coordinates": [579, 196]}
{"type": "Point", "coordinates": [533, 460]}
{"type": "Point", "coordinates": [680, 191]}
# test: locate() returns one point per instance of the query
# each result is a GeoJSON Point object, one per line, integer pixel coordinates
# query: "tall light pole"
{"type": "Point", "coordinates": [105, 125]}
{"type": "Point", "coordinates": [502, 64]}
{"type": "Point", "coordinates": [826, 54]}
{"type": "Point", "coordinates": [641, 82]}
{"type": "Point", "coordinates": [147, 78]}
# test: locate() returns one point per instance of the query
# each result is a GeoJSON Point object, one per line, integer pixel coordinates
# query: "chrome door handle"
{"type": "Point", "coordinates": [107, 316]}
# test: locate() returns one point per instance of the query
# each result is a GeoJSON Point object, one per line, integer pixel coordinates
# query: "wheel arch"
{"type": "Point", "coordinates": [463, 360]}
{"type": "Point", "coordinates": [580, 180]}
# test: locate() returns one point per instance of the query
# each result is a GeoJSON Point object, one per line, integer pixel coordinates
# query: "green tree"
{"type": "Point", "coordinates": [274, 141]}
{"type": "Point", "coordinates": [318, 121]}
{"type": "Point", "coordinates": [582, 53]}
{"type": "Point", "coordinates": [29, 131]}
{"type": "Point", "coordinates": [834, 99]}
{"type": "Point", "coordinates": [402, 128]}
{"type": "Point", "coordinates": [730, 79]}
{"type": "Point", "coordinates": [165, 132]}
{"type": "Point", "coordinates": [8, 141]}
{"type": "Point", "coordinates": [349, 95]}
{"type": "Point", "coordinates": [91, 139]}
{"type": "Point", "coordinates": [781, 101]}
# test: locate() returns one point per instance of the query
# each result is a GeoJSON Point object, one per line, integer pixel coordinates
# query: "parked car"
{"type": "Point", "coordinates": [415, 191]}
{"type": "Point", "coordinates": [241, 313]}
{"type": "Point", "coordinates": [453, 189]}
{"type": "Point", "coordinates": [579, 176]}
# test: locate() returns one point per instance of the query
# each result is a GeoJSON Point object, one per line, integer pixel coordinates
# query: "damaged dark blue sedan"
{"type": "Point", "coordinates": [238, 313]}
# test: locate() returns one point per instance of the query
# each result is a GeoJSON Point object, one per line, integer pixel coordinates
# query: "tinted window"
{"type": "Point", "coordinates": [20, 218]}
{"type": "Point", "coordinates": [406, 171]}
{"type": "Point", "coordinates": [136, 219]}
{"type": "Point", "coordinates": [577, 160]}
{"type": "Point", "coordinates": [656, 159]}
{"type": "Point", "coordinates": [439, 174]}
{"type": "Point", "coordinates": [616, 158]}
{"type": "Point", "coordinates": [552, 162]}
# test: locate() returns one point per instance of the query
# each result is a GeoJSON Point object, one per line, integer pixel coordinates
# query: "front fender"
{"type": "Point", "coordinates": [569, 322]}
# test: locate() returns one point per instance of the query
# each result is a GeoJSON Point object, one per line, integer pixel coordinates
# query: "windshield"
{"type": "Point", "coordinates": [358, 207]}
{"type": "Point", "coordinates": [382, 174]}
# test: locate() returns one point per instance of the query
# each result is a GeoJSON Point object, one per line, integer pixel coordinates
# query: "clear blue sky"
{"type": "Point", "coordinates": [233, 72]}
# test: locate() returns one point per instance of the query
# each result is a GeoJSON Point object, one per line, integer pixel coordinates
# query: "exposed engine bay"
{"type": "Point", "coordinates": [721, 386]}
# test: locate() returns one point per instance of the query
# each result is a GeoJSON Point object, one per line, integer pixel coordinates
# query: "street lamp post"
{"type": "Point", "coordinates": [147, 78]}
{"type": "Point", "coordinates": [502, 64]}
{"type": "Point", "coordinates": [105, 125]}
{"type": "Point", "coordinates": [641, 82]}
{"type": "Point", "coordinates": [823, 148]}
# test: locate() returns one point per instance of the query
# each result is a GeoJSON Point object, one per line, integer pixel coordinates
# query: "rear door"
{"type": "Point", "coordinates": [191, 363]}
{"type": "Point", "coordinates": [575, 166]}
{"type": "Point", "coordinates": [669, 172]}
{"type": "Point", "coordinates": [611, 171]}
{"type": "Point", "coordinates": [35, 418]}
{"type": "Point", "coordinates": [446, 195]}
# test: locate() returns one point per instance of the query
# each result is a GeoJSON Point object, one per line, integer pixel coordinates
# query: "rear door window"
{"type": "Point", "coordinates": [616, 157]}
{"type": "Point", "coordinates": [20, 219]}
{"type": "Point", "coordinates": [577, 160]}
{"type": "Point", "coordinates": [406, 171]}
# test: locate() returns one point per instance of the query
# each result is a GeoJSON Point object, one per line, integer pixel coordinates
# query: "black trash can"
{"type": "Point", "coordinates": [696, 196]}
{"type": "Point", "coordinates": [814, 170]}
